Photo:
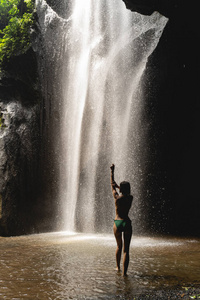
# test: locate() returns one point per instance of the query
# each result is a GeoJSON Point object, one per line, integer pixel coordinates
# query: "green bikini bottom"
{"type": "Point", "coordinates": [123, 225]}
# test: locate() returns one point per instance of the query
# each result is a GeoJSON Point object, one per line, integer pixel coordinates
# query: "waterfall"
{"type": "Point", "coordinates": [98, 53]}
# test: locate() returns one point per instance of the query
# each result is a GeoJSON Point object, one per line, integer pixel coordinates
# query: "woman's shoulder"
{"type": "Point", "coordinates": [128, 197]}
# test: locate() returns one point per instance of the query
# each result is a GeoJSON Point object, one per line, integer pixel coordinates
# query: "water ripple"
{"type": "Point", "coordinates": [60, 266]}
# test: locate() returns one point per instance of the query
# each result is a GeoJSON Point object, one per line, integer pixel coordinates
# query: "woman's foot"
{"type": "Point", "coordinates": [118, 270]}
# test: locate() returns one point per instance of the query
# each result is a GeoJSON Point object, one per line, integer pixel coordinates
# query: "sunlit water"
{"type": "Point", "coordinates": [93, 63]}
{"type": "Point", "coordinates": [77, 266]}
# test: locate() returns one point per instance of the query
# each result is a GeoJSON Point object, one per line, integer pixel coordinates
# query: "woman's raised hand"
{"type": "Point", "coordinates": [112, 167]}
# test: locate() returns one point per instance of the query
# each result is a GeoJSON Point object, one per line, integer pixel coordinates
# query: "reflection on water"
{"type": "Point", "coordinates": [77, 266]}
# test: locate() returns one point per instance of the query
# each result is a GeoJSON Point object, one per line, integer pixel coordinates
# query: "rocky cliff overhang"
{"type": "Point", "coordinates": [147, 7]}
{"type": "Point", "coordinates": [183, 16]}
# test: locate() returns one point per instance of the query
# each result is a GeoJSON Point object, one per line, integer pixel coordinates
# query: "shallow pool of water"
{"type": "Point", "coordinates": [79, 266]}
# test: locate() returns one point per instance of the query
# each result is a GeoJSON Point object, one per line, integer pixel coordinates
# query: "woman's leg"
{"type": "Point", "coordinates": [127, 240]}
{"type": "Point", "coordinates": [118, 237]}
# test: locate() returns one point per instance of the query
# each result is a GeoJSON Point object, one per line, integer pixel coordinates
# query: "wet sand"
{"type": "Point", "coordinates": [79, 266]}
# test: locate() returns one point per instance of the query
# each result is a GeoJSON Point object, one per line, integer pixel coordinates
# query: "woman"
{"type": "Point", "coordinates": [122, 223]}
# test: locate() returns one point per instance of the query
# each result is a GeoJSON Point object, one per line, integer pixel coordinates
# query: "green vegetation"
{"type": "Point", "coordinates": [16, 20]}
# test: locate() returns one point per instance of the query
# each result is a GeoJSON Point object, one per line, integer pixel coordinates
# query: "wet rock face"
{"type": "Point", "coordinates": [182, 14]}
{"type": "Point", "coordinates": [60, 7]}
{"type": "Point", "coordinates": [19, 145]}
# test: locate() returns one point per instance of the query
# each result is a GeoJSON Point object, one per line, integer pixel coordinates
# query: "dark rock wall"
{"type": "Point", "coordinates": [177, 126]}
{"type": "Point", "coordinates": [49, 51]}
{"type": "Point", "coordinates": [28, 140]}
{"type": "Point", "coordinates": [173, 109]}
{"type": "Point", "coordinates": [20, 144]}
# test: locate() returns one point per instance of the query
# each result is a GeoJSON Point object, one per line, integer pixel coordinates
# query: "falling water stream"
{"type": "Point", "coordinates": [107, 49]}
{"type": "Point", "coordinates": [100, 51]}
{"type": "Point", "coordinates": [93, 60]}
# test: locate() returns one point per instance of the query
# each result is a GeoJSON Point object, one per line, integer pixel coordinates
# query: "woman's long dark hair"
{"type": "Point", "coordinates": [125, 188]}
